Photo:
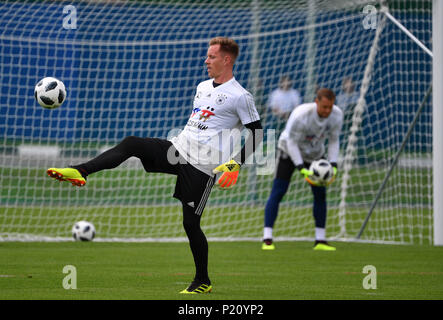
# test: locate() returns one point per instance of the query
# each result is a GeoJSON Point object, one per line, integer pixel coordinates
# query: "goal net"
{"type": "Point", "coordinates": [131, 68]}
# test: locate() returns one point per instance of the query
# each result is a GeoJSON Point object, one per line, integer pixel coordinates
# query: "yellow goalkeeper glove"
{"type": "Point", "coordinates": [307, 174]}
{"type": "Point", "coordinates": [333, 177]}
{"type": "Point", "coordinates": [230, 171]}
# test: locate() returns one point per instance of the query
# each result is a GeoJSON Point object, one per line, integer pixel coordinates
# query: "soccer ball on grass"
{"type": "Point", "coordinates": [83, 231]}
{"type": "Point", "coordinates": [323, 172]}
{"type": "Point", "coordinates": [50, 93]}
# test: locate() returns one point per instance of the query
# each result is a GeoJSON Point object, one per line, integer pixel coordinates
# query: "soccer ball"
{"type": "Point", "coordinates": [83, 231]}
{"type": "Point", "coordinates": [323, 171]}
{"type": "Point", "coordinates": [50, 93]}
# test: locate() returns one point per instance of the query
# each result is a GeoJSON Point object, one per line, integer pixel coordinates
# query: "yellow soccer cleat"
{"type": "Point", "coordinates": [67, 174]}
{"type": "Point", "coordinates": [268, 245]}
{"type": "Point", "coordinates": [197, 287]}
{"type": "Point", "coordinates": [323, 246]}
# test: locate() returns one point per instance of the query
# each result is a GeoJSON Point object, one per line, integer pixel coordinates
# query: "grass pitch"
{"type": "Point", "coordinates": [34, 204]}
{"type": "Point", "coordinates": [238, 270]}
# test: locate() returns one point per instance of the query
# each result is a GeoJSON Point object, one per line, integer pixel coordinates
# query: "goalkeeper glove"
{"type": "Point", "coordinates": [334, 167]}
{"type": "Point", "coordinates": [306, 174]}
{"type": "Point", "coordinates": [230, 171]}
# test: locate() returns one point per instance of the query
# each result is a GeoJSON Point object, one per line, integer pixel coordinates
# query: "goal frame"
{"type": "Point", "coordinates": [437, 120]}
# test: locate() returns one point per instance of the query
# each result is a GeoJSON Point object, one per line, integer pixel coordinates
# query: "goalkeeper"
{"type": "Point", "coordinates": [220, 104]}
{"type": "Point", "coordinates": [302, 142]}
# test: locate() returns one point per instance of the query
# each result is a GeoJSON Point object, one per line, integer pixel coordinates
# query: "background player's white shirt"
{"type": "Point", "coordinates": [284, 100]}
{"type": "Point", "coordinates": [206, 141]}
{"type": "Point", "coordinates": [305, 134]}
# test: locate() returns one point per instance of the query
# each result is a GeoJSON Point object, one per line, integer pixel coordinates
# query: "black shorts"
{"type": "Point", "coordinates": [192, 187]}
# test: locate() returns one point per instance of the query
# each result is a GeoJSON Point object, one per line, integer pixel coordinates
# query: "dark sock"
{"type": "Point", "coordinates": [197, 243]}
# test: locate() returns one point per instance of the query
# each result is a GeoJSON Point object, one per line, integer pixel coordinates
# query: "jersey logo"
{"type": "Point", "coordinates": [221, 98]}
{"type": "Point", "coordinates": [195, 111]}
{"type": "Point", "coordinates": [206, 114]}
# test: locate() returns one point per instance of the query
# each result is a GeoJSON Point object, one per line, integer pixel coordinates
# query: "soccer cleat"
{"type": "Point", "coordinates": [197, 287]}
{"type": "Point", "coordinates": [67, 174]}
{"type": "Point", "coordinates": [268, 244]}
{"type": "Point", "coordinates": [322, 245]}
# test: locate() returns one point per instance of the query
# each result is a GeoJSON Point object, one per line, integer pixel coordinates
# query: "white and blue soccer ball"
{"type": "Point", "coordinates": [322, 171]}
{"type": "Point", "coordinates": [50, 93]}
{"type": "Point", "coordinates": [83, 231]}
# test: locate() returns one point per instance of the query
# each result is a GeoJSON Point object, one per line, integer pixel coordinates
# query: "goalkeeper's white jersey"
{"type": "Point", "coordinates": [307, 131]}
{"type": "Point", "coordinates": [213, 132]}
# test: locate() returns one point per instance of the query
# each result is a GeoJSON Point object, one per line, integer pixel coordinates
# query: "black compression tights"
{"type": "Point", "coordinates": [129, 147]}
{"type": "Point", "coordinates": [197, 242]}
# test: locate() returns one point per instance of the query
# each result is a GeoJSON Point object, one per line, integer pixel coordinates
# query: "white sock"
{"type": "Point", "coordinates": [267, 233]}
{"type": "Point", "coordinates": [320, 234]}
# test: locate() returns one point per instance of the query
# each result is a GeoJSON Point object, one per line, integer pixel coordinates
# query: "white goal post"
{"type": "Point", "coordinates": [131, 68]}
{"type": "Point", "coordinates": [437, 82]}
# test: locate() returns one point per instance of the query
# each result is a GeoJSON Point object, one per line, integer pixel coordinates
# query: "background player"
{"type": "Point", "coordinates": [281, 102]}
{"type": "Point", "coordinates": [301, 142]}
{"type": "Point", "coordinates": [190, 156]}
{"type": "Point", "coordinates": [284, 99]}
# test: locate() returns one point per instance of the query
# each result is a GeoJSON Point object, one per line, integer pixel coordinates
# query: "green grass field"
{"type": "Point", "coordinates": [239, 271]}
{"type": "Point", "coordinates": [130, 203]}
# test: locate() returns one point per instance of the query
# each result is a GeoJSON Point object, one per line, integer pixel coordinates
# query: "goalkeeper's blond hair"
{"type": "Point", "coordinates": [227, 45]}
